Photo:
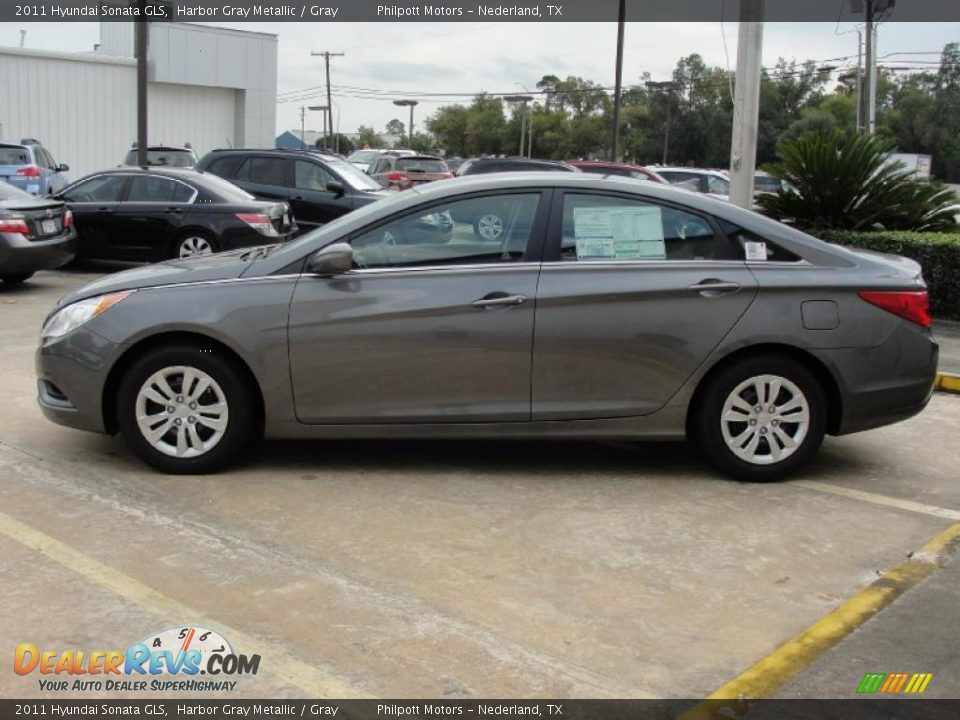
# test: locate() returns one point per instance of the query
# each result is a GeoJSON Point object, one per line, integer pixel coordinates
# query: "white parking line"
{"type": "Point", "coordinates": [876, 499]}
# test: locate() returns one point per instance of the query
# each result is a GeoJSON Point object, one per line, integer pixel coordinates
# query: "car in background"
{"type": "Point", "coordinates": [607, 308]}
{"type": "Point", "coordinates": [159, 213]}
{"type": "Point", "coordinates": [35, 234]}
{"type": "Point", "coordinates": [600, 167]}
{"type": "Point", "coordinates": [708, 182]}
{"type": "Point", "coordinates": [362, 158]}
{"type": "Point", "coordinates": [453, 163]}
{"type": "Point", "coordinates": [764, 182]}
{"type": "Point", "coordinates": [478, 166]}
{"type": "Point", "coordinates": [163, 156]}
{"type": "Point", "coordinates": [318, 187]}
{"type": "Point", "coordinates": [402, 173]}
{"type": "Point", "coordinates": [29, 166]}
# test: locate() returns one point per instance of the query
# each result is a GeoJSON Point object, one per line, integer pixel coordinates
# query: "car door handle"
{"type": "Point", "coordinates": [178, 211]}
{"type": "Point", "coordinates": [713, 288]}
{"type": "Point", "coordinates": [104, 210]}
{"type": "Point", "coordinates": [499, 299]}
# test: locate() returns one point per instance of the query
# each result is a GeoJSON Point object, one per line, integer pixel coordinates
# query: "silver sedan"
{"type": "Point", "coordinates": [503, 306]}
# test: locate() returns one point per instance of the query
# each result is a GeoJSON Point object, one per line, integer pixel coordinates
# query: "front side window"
{"type": "Point", "coordinates": [310, 176]}
{"type": "Point", "coordinates": [264, 171]}
{"type": "Point", "coordinates": [718, 186]}
{"type": "Point", "coordinates": [611, 228]}
{"type": "Point", "coordinates": [103, 188]}
{"type": "Point", "coordinates": [480, 230]}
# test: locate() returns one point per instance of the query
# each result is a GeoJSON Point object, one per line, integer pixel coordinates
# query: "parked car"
{"type": "Point", "coordinates": [599, 167]}
{"type": "Point", "coordinates": [163, 156]}
{"type": "Point", "coordinates": [477, 166]}
{"type": "Point", "coordinates": [402, 173]}
{"type": "Point", "coordinates": [35, 234]}
{"type": "Point", "coordinates": [606, 308]}
{"type": "Point", "coordinates": [711, 182]}
{"type": "Point", "coordinates": [30, 166]}
{"type": "Point", "coordinates": [362, 158]}
{"type": "Point", "coordinates": [158, 213]}
{"type": "Point", "coordinates": [453, 163]}
{"type": "Point", "coordinates": [318, 187]}
{"type": "Point", "coordinates": [764, 182]}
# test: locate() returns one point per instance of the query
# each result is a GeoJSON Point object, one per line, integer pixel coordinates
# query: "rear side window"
{"type": "Point", "coordinates": [773, 252]}
{"type": "Point", "coordinates": [157, 189]}
{"type": "Point", "coordinates": [14, 156]}
{"type": "Point", "coordinates": [612, 228]}
{"type": "Point", "coordinates": [225, 167]}
{"type": "Point", "coordinates": [421, 165]}
{"type": "Point", "coordinates": [264, 171]}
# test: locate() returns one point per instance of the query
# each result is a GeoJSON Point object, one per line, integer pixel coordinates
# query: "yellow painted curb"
{"type": "Point", "coordinates": [948, 382]}
{"type": "Point", "coordinates": [798, 653]}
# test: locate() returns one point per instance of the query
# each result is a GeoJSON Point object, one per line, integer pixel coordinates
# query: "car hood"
{"type": "Point", "coordinates": [221, 266]}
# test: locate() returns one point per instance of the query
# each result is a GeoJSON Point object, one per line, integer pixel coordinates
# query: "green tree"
{"type": "Point", "coordinates": [368, 137]}
{"type": "Point", "coordinates": [395, 127]}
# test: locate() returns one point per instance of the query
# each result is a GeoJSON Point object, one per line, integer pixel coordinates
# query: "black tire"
{"type": "Point", "coordinates": [242, 423]}
{"type": "Point", "coordinates": [707, 424]}
{"type": "Point", "coordinates": [174, 252]}
{"type": "Point", "coordinates": [15, 279]}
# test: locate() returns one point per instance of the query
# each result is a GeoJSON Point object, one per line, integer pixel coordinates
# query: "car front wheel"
{"type": "Point", "coordinates": [186, 409]}
{"type": "Point", "coordinates": [762, 419]}
{"type": "Point", "coordinates": [15, 279]}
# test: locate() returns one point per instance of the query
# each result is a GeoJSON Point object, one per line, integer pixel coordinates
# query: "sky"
{"type": "Point", "coordinates": [414, 58]}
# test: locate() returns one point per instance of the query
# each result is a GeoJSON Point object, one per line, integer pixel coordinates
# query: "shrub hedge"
{"type": "Point", "coordinates": [937, 253]}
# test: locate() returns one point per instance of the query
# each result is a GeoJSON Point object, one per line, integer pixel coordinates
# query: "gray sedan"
{"type": "Point", "coordinates": [604, 308]}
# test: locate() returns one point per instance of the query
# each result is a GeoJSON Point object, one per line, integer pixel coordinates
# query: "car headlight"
{"type": "Point", "coordinates": [76, 314]}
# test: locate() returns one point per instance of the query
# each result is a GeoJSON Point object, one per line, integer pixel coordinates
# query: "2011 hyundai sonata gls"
{"type": "Point", "coordinates": [588, 307]}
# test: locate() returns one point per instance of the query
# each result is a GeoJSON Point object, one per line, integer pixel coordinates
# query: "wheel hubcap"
{"type": "Point", "coordinates": [490, 227]}
{"type": "Point", "coordinates": [182, 412]}
{"type": "Point", "coordinates": [193, 246]}
{"type": "Point", "coordinates": [765, 419]}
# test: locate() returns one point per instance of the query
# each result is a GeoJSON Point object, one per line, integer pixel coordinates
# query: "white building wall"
{"type": "Point", "coordinates": [203, 117]}
{"type": "Point", "coordinates": [78, 106]}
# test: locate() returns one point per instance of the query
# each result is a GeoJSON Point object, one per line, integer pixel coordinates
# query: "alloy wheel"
{"type": "Point", "coordinates": [490, 227]}
{"type": "Point", "coordinates": [193, 246]}
{"type": "Point", "coordinates": [765, 419]}
{"type": "Point", "coordinates": [182, 411]}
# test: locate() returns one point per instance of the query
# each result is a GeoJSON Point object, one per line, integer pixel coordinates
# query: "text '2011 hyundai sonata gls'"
{"type": "Point", "coordinates": [602, 308]}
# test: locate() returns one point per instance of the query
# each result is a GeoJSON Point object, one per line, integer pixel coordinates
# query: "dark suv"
{"type": "Point", "coordinates": [511, 164]}
{"type": "Point", "coordinates": [318, 187]}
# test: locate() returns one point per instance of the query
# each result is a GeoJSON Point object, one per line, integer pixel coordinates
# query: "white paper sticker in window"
{"type": "Point", "coordinates": [756, 250]}
{"type": "Point", "coordinates": [619, 233]}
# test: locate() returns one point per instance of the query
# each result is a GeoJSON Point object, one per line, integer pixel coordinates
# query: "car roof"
{"type": "Point", "coordinates": [700, 171]}
{"type": "Point", "coordinates": [315, 153]}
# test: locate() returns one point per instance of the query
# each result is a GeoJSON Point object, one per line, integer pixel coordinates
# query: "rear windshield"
{"type": "Point", "coordinates": [14, 155]}
{"type": "Point", "coordinates": [421, 165]}
{"type": "Point", "coordinates": [9, 192]}
{"type": "Point", "coordinates": [160, 158]}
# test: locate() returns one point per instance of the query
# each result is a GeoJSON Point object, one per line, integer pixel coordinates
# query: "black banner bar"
{"type": "Point", "coordinates": [391, 11]}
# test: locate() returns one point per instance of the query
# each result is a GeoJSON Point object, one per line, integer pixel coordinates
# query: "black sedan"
{"type": "Point", "coordinates": [35, 234]}
{"type": "Point", "coordinates": [155, 214]}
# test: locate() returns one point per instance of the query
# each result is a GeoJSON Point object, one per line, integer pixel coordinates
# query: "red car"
{"type": "Point", "coordinates": [600, 167]}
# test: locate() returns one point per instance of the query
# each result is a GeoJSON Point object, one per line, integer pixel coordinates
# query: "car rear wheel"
{"type": "Point", "coordinates": [194, 244]}
{"type": "Point", "coordinates": [15, 279]}
{"type": "Point", "coordinates": [762, 418]}
{"type": "Point", "coordinates": [186, 410]}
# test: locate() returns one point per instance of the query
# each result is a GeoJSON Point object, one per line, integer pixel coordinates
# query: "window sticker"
{"type": "Point", "coordinates": [756, 250]}
{"type": "Point", "coordinates": [619, 233]}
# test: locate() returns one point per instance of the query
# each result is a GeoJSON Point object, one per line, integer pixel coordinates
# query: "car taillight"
{"type": "Point", "coordinates": [29, 171]}
{"type": "Point", "coordinates": [912, 305]}
{"type": "Point", "coordinates": [259, 222]}
{"type": "Point", "coordinates": [447, 176]}
{"type": "Point", "coordinates": [14, 225]}
{"type": "Point", "coordinates": [396, 176]}
{"type": "Point", "coordinates": [67, 219]}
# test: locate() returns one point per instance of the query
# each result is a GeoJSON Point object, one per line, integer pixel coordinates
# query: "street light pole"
{"type": "Point", "coordinates": [412, 104]}
{"type": "Point", "coordinates": [523, 99]}
{"type": "Point", "coordinates": [667, 87]}
{"type": "Point", "coordinates": [614, 145]}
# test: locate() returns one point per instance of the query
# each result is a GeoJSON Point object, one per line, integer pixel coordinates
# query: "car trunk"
{"type": "Point", "coordinates": [44, 219]}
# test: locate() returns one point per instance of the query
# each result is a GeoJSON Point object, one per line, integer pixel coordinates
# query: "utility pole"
{"type": "Point", "coordinates": [870, 69]}
{"type": "Point", "coordinates": [615, 144]}
{"type": "Point", "coordinates": [142, 48]}
{"type": "Point", "coordinates": [746, 103]}
{"type": "Point", "coordinates": [523, 99]}
{"type": "Point", "coordinates": [668, 87]}
{"type": "Point", "coordinates": [303, 125]}
{"type": "Point", "coordinates": [326, 54]}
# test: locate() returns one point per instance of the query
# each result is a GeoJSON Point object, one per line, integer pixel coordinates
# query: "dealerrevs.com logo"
{"type": "Point", "coordinates": [170, 660]}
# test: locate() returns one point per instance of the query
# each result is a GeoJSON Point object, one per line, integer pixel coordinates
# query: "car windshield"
{"type": "Point", "coordinates": [415, 164]}
{"type": "Point", "coordinates": [363, 156]}
{"type": "Point", "coordinates": [169, 158]}
{"type": "Point", "coordinates": [226, 189]}
{"type": "Point", "coordinates": [353, 175]}
{"type": "Point", "coordinates": [9, 192]}
{"type": "Point", "coordinates": [15, 155]}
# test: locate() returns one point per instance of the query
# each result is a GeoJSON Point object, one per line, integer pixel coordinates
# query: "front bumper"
{"type": "Point", "coordinates": [72, 373]}
{"type": "Point", "coordinates": [19, 255]}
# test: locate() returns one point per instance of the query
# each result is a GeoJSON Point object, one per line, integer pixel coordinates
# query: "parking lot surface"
{"type": "Point", "coordinates": [458, 569]}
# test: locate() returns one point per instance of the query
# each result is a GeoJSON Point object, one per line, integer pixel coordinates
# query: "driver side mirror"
{"type": "Point", "coordinates": [336, 187]}
{"type": "Point", "coordinates": [334, 259]}
{"type": "Point", "coordinates": [63, 167]}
